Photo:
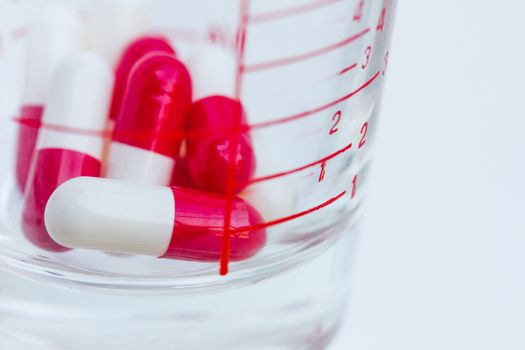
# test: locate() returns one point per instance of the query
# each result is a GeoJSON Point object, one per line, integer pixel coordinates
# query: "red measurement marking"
{"type": "Point", "coordinates": [364, 131]}
{"type": "Point", "coordinates": [291, 217]}
{"type": "Point", "coordinates": [354, 187]}
{"type": "Point", "coordinates": [30, 123]}
{"type": "Point", "coordinates": [347, 69]}
{"type": "Point", "coordinates": [230, 180]}
{"type": "Point", "coordinates": [317, 109]}
{"type": "Point", "coordinates": [305, 56]}
{"type": "Point", "coordinates": [336, 119]}
{"type": "Point", "coordinates": [313, 164]}
{"type": "Point", "coordinates": [292, 11]}
{"type": "Point", "coordinates": [381, 22]}
{"type": "Point", "coordinates": [358, 14]}
{"type": "Point", "coordinates": [386, 62]}
{"type": "Point", "coordinates": [368, 53]}
{"type": "Point", "coordinates": [323, 172]}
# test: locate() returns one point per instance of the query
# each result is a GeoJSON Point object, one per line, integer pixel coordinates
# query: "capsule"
{"type": "Point", "coordinates": [166, 222]}
{"type": "Point", "coordinates": [150, 125]}
{"type": "Point", "coordinates": [218, 118]}
{"type": "Point", "coordinates": [113, 24]}
{"type": "Point", "coordinates": [133, 53]}
{"type": "Point", "coordinates": [70, 143]}
{"type": "Point", "coordinates": [55, 33]}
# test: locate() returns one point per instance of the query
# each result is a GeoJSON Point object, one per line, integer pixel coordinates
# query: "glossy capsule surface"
{"type": "Point", "coordinates": [166, 222]}
{"type": "Point", "coordinates": [151, 122]}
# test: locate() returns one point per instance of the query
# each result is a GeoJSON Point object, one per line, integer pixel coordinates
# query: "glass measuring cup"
{"type": "Point", "coordinates": [309, 76]}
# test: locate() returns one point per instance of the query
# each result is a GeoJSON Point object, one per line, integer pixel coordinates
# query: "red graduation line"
{"type": "Point", "coordinates": [291, 217]}
{"type": "Point", "coordinates": [289, 172]}
{"type": "Point", "coordinates": [304, 56]}
{"type": "Point", "coordinates": [292, 11]}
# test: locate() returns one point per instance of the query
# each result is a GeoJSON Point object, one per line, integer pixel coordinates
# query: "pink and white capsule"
{"type": "Point", "coordinates": [172, 223]}
{"type": "Point", "coordinates": [55, 33]}
{"type": "Point", "coordinates": [70, 142]}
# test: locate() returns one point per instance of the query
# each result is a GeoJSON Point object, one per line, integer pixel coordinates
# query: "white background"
{"type": "Point", "coordinates": [442, 255]}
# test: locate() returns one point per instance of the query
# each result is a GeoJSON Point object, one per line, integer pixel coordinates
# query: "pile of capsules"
{"type": "Point", "coordinates": [156, 183]}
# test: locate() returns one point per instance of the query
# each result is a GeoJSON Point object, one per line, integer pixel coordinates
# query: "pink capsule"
{"type": "Point", "coordinates": [133, 53]}
{"type": "Point", "coordinates": [209, 157]}
{"type": "Point", "coordinates": [218, 120]}
{"type": "Point", "coordinates": [70, 143]}
{"type": "Point", "coordinates": [151, 121]}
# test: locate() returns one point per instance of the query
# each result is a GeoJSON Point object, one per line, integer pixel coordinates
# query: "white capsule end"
{"type": "Point", "coordinates": [113, 24]}
{"type": "Point", "coordinates": [213, 71]}
{"type": "Point", "coordinates": [111, 216]}
{"type": "Point", "coordinates": [78, 105]}
{"type": "Point", "coordinates": [55, 33]}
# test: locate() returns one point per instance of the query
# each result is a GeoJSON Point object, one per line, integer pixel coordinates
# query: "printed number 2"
{"type": "Point", "coordinates": [364, 131]}
{"type": "Point", "coordinates": [336, 119]}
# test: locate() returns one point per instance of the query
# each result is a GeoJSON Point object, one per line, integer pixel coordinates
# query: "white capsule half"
{"type": "Point", "coordinates": [111, 216]}
{"type": "Point", "coordinates": [55, 33]}
{"type": "Point", "coordinates": [113, 24]}
{"type": "Point", "coordinates": [213, 72]}
{"type": "Point", "coordinates": [77, 108]}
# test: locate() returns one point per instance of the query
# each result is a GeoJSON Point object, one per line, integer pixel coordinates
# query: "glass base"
{"type": "Point", "coordinates": [300, 308]}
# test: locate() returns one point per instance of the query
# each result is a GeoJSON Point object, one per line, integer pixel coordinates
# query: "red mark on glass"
{"type": "Point", "coordinates": [386, 63]}
{"type": "Point", "coordinates": [292, 11]}
{"type": "Point", "coordinates": [381, 22]}
{"type": "Point", "coordinates": [304, 56]}
{"type": "Point", "coordinates": [336, 119]}
{"type": "Point", "coordinates": [317, 109]}
{"type": "Point", "coordinates": [304, 167]}
{"type": "Point", "coordinates": [323, 172]}
{"type": "Point", "coordinates": [364, 131]}
{"type": "Point", "coordinates": [347, 69]}
{"type": "Point", "coordinates": [368, 53]}
{"type": "Point", "coordinates": [230, 180]}
{"type": "Point", "coordinates": [358, 14]}
{"type": "Point", "coordinates": [291, 217]}
{"type": "Point", "coordinates": [354, 186]}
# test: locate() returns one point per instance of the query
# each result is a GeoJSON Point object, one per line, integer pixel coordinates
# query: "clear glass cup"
{"type": "Point", "coordinates": [309, 76]}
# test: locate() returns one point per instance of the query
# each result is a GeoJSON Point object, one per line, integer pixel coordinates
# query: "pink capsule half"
{"type": "Point", "coordinates": [151, 122]}
{"type": "Point", "coordinates": [134, 53]}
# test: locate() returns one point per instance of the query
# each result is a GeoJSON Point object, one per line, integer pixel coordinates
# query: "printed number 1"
{"type": "Point", "coordinates": [354, 186]}
{"type": "Point", "coordinates": [368, 53]}
{"type": "Point", "coordinates": [323, 171]}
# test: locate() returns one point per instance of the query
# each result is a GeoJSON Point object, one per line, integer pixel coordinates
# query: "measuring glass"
{"type": "Point", "coordinates": [309, 75]}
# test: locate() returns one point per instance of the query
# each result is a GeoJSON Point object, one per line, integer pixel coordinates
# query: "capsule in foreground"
{"type": "Point", "coordinates": [151, 122]}
{"type": "Point", "coordinates": [54, 34]}
{"type": "Point", "coordinates": [166, 222]}
{"type": "Point", "coordinates": [70, 142]}
{"type": "Point", "coordinates": [218, 118]}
